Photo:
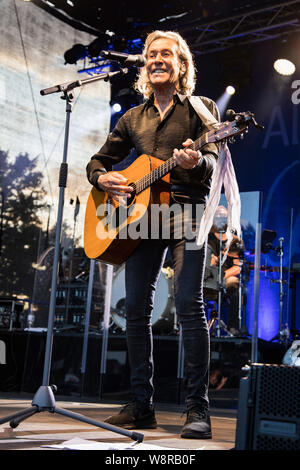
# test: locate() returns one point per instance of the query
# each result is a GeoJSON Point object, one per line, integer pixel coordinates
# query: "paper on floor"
{"type": "Point", "coordinates": [82, 444]}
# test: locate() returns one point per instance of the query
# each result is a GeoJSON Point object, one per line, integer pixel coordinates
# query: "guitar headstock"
{"type": "Point", "coordinates": [228, 130]}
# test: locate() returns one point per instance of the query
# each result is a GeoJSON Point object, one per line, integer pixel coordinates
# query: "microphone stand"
{"type": "Point", "coordinates": [281, 293]}
{"type": "Point", "coordinates": [242, 296]}
{"type": "Point", "coordinates": [283, 334]}
{"type": "Point", "coordinates": [220, 323]}
{"type": "Point", "coordinates": [43, 399]}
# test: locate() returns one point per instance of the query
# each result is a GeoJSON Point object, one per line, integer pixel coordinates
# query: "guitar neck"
{"type": "Point", "coordinates": [165, 167]}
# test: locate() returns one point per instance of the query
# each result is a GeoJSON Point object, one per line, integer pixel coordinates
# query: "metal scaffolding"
{"type": "Point", "coordinates": [250, 26]}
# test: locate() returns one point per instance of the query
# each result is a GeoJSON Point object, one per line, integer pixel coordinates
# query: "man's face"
{"type": "Point", "coordinates": [163, 62]}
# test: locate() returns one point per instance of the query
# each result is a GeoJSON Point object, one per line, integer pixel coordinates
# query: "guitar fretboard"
{"type": "Point", "coordinates": [166, 167]}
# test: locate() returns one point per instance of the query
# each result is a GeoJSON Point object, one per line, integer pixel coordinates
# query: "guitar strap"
{"type": "Point", "coordinates": [223, 174]}
{"type": "Point", "coordinates": [203, 112]}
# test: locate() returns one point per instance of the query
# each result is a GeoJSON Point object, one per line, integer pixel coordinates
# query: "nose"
{"type": "Point", "coordinates": [158, 57]}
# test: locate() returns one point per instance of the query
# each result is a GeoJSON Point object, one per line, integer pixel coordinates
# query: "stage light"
{"type": "Point", "coordinates": [230, 90]}
{"type": "Point", "coordinates": [223, 101]}
{"type": "Point", "coordinates": [284, 67]}
{"type": "Point", "coordinates": [77, 52]}
{"type": "Point", "coordinates": [103, 41]}
{"type": "Point", "coordinates": [116, 107]}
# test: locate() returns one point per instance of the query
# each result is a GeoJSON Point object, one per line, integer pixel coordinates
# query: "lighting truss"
{"type": "Point", "coordinates": [250, 26]}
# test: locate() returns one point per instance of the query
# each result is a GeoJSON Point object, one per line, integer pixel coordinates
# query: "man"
{"type": "Point", "coordinates": [160, 127]}
{"type": "Point", "coordinates": [231, 268]}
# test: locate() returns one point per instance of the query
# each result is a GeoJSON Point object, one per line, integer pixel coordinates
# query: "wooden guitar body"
{"type": "Point", "coordinates": [105, 235]}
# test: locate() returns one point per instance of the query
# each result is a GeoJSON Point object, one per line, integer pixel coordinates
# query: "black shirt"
{"type": "Point", "coordinates": [142, 128]}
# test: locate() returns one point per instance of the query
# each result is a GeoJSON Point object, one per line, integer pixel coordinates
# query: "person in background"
{"type": "Point", "coordinates": [231, 268]}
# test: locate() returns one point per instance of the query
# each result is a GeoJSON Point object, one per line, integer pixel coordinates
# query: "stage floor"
{"type": "Point", "coordinates": [44, 429]}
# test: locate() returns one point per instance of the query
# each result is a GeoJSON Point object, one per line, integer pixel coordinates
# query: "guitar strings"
{"type": "Point", "coordinates": [167, 166]}
{"type": "Point", "coordinates": [163, 169]}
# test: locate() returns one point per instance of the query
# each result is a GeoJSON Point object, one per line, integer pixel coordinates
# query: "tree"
{"type": "Point", "coordinates": [22, 197]}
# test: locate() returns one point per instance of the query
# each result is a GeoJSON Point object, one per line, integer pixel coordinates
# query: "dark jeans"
{"type": "Point", "coordinates": [141, 274]}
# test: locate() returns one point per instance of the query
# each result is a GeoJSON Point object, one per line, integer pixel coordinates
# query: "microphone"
{"type": "Point", "coordinates": [126, 59]}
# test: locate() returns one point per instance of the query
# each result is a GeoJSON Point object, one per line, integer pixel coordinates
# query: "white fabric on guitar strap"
{"type": "Point", "coordinates": [223, 174]}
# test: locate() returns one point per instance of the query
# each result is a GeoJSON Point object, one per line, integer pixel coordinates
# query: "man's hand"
{"type": "Point", "coordinates": [115, 185]}
{"type": "Point", "coordinates": [214, 261]}
{"type": "Point", "coordinates": [187, 158]}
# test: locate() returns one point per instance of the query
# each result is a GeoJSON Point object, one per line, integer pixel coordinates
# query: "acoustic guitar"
{"type": "Point", "coordinates": [107, 221]}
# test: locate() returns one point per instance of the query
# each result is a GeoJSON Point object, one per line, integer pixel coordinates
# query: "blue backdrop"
{"type": "Point", "coordinates": [267, 162]}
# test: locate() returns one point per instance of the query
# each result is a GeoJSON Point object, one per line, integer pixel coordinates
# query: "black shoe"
{"type": "Point", "coordinates": [134, 416]}
{"type": "Point", "coordinates": [197, 424]}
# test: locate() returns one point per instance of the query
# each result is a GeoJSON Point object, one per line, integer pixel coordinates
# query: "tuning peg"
{"type": "Point", "coordinates": [241, 136]}
{"type": "Point", "coordinates": [231, 140]}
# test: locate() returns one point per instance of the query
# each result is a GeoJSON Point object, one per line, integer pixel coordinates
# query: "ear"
{"type": "Point", "coordinates": [183, 67]}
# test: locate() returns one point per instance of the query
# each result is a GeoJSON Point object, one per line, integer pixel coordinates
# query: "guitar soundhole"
{"type": "Point", "coordinates": [132, 195]}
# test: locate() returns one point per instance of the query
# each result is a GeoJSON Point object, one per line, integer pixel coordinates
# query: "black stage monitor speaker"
{"type": "Point", "coordinates": [269, 409]}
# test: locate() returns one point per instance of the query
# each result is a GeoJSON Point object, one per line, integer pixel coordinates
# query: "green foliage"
{"type": "Point", "coordinates": [22, 197]}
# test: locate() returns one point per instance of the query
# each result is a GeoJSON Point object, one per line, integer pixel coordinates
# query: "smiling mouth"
{"type": "Point", "coordinates": [158, 71]}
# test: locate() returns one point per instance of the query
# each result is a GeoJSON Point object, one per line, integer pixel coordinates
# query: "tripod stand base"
{"type": "Point", "coordinates": [216, 329]}
{"type": "Point", "coordinates": [216, 324]}
{"type": "Point", "coordinates": [44, 400]}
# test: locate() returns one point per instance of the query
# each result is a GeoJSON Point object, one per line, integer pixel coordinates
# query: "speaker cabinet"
{"type": "Point", "coordinates": [269, 409]}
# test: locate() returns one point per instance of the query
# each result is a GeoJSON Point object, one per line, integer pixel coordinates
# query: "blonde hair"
{"type": "Point", "coordinates": [187, 75]}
